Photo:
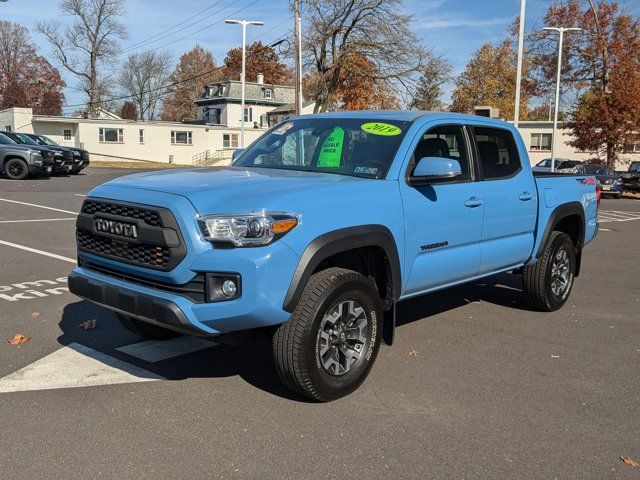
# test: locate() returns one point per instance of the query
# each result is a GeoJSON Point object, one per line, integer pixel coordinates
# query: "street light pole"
{"type": "Point", "coordinates": [298, 42]}
{"type": "Point", "coordinates": [244, 24]}
{"type": "Point", "coordinates": [561, 30]}
{"type": "Point", "coordinates": [516, 112]}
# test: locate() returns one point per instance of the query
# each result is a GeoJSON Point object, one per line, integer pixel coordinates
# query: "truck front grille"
{"type": "Point", "coordinates": [157, 242]}
{"type": "Point", "coordinates": [140, 254]}
{"type": "Point", "coordinates": [149, 217]}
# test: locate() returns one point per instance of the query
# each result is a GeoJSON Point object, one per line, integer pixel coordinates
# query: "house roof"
{"type": "Point", "coordinates": [254, 92]}
{"type": "Point", "coordinates": [290, 107]}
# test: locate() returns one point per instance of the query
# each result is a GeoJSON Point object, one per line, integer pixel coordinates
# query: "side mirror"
{"type": "Point", "coordinates": [236, 153]}
{"type": "Point", "coordinates": [435, 169]}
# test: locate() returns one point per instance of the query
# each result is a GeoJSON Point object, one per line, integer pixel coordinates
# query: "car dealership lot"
{"type": "Point", "coordinates": [477, 386]}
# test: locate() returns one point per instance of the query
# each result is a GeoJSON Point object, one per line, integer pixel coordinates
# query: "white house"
{"type": "Point", "coordinates": [211, 138]}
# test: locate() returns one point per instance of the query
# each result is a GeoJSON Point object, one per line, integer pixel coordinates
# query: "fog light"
{"type": "Point", "coordinates": [229, 288]}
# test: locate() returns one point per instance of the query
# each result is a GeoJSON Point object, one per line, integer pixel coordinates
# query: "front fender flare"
{"type": "Point", "coordinates": [337, 241]}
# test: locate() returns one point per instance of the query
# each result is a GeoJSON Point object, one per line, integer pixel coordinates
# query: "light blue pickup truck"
{"type": "Point", "coordinates": [321, 227]}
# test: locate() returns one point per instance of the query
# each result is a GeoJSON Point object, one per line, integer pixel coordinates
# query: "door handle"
{"type": "Point", "coordinates": [526, 196]}
{"type": "Point", "coordinates": [473, 202]}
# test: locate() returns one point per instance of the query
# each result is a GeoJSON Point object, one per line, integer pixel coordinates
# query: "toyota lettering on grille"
{"type": "Point", "coordinates": [113, 227]}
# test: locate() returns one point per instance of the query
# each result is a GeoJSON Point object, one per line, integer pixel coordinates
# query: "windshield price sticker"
{"type": "Point", "coordinates": [378, 128]}
{"type": "Point", "coordinates": [331, 151]}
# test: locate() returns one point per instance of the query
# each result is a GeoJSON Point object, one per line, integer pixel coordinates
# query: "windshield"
{"type": "Point", "coordinates": [42, 140]}
{"type": "Point", "coordinates": [20, 138]}
{"type": "Point", "coordinates": [4, 140]}
{"type": "Point", "coordinates": [597, 170]}
{"type": "Point", "coordinates": [634, 167]}
{"type": "Point", "coordinates": [342, 146]}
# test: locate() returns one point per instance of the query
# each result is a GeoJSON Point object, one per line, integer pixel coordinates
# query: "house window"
{"type": "Point", "coordinates": [632, 148]}
{"type": "Point", "coordinates": [66, 133]}
{"type": "Point", "coordinates": [268, 93]}
{"type": "Point", "coordinates": [179, 137]}
{"type": "Point", "coordinates": [540, 141]}
{"type": "Point", "coordinates": [264, 121]}
{"type": "Point", "coordinates": [7, 128]}
{"type": "Point", "coordinates": [248, 114]}
{"type": "Point", "coordinates": [141, 135]}
{"type": "Point", "coordinates": [111, 135]}
{"type": "Point", "coordinates": [230, 140]}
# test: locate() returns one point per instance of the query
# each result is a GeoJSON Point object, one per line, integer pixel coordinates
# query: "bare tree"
{"type": "Point", "coordinates": [339, 31]}
{"type": "Point", "coordinates": [89, 43]}
{"type": "Point", "coordinates": [142, 76]}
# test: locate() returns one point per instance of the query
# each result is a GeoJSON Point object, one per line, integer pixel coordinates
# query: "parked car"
{"type": "Point", "coordinates": [321, 227]}
{"type": "Point", "coordinates": [560, 164]}
{"type": "Point", "coordinates": [631, 179]}
{"type": "Point", "coordinates": [80, 156]}
{"type": "Point", "coordinates": [610, 181]}
{"type": "Point", "coordinates": [19, 161]}
{"type": "Point", "coordinates": [62, 161]}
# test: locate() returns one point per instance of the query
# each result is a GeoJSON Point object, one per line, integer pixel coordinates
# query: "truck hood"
{"type": "Point", "coordinates": [232, 189]}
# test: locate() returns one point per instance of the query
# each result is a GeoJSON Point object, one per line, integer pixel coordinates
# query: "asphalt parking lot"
{"type": "Point", "coordinates": [477, 386]}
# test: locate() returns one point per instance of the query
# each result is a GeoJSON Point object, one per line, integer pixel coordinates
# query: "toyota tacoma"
{"type": "Point", "coordinates": [321, 226]}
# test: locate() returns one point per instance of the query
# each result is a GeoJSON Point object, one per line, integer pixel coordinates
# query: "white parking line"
{"type": "Point", "coordinates": [154, 350]}
{"type": "Point", "coordinates": [74, 366]}
{"type": "Point", "coordinates": [39, 252]}
{"type": "Point", "coordinates": [38, 206]}
{"type": "Point", "coordinates": [79, 194]}
{"type": "Point", "coordinates": [39, 220]}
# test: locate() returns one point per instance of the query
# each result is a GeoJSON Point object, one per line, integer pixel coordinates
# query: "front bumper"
{"type": "Point", "coordinates": [265, 276]}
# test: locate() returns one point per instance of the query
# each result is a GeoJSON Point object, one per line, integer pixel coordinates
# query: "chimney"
{"type": "Point", "coordinates": [260, 78]}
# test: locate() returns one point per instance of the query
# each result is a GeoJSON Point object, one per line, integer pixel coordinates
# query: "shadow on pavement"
{"type": "Point", "coordinates": [252, 361]}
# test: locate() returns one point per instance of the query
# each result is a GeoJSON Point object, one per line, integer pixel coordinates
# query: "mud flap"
{"type": "Point", "coordinates": [389, 326]}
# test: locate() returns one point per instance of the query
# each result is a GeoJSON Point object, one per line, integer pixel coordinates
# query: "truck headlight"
{"type": "Point", "coordinates": [250, 230]}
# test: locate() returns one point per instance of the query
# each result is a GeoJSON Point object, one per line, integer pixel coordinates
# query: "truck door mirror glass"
{"type": "Point", "coordinates": [237, 153]}
{"type": "Point", "coordinates": [435, 169]}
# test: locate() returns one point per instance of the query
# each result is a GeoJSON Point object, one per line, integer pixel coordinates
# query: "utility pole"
{"type": "Point", "coordinates": [243, 75]}
{"type": "Point", "coordinates": [560, 30]}
{"type": "Point", "coordinates": [516, 112]}
{"type": "Point", "coordinates": [298, 42]}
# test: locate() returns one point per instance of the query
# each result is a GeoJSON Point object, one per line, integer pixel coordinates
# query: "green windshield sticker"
{"type": "Point", "coordinates": [331, 151]}
{"type": "Point", "coordinates": [377, 128]}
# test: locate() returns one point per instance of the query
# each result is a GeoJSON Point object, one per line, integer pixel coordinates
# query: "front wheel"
{"type": "Point", "coordinates": [328, 346]}
{"type": "Point", "coordinates": [547, 283]}
{"type": "Point", "coordinates": [16, 169]}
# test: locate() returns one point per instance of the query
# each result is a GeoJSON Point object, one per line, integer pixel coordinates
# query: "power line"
{"type": "Point", "coordinates": [203, 28]}
{"type": "Point", "coordinates": [148, 40]}
{"type": "Point", "coordinates": [189, 79]}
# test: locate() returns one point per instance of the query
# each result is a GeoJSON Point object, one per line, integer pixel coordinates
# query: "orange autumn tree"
{"type": "Point", "coordinates": [601, 65]}
{"type": "Point", "coordinates": [360, 89]}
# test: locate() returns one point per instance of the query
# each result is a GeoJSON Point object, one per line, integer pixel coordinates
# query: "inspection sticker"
{"type": "Point", "coordinates": [378, 128]}
{"type": "Point", "coordinates": [282, 129]}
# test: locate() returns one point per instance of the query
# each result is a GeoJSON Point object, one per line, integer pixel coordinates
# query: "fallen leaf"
{"type": "Point", "coordinates": [18, 339]}
{"type": "Point", "coordinates": [35, 314]}
{"type": "Point", "coordinates": [414, 353]}
{"type": "Point", "coordinates": [88, 325]}
{"type": "Point", "coordinates": [630, 462]}
{"type": "Point", "coordinates": [551, 355]}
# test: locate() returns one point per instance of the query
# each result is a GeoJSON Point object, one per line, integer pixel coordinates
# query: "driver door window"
{"type": "Point", "coordinates": [447, 142]}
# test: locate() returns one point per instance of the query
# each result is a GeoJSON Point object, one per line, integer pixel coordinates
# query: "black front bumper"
{"type": "Point", "coordinates": [157, 311]}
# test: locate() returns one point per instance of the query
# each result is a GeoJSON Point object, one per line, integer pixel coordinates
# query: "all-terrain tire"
{"type": "Point", "coordinates": [16, 169]}
{"type": "Point", "coordinates": [538, 279]}
{"type": "Point", "coordinates": [298, 343]}
{"type": "Point", "coordinates": [144, 329]}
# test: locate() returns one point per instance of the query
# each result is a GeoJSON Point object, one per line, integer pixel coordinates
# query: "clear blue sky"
{"type": "Point", "coordinates": [454, 28]}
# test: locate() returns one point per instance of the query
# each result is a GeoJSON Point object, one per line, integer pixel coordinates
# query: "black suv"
{"type": "Point", "coordinates": [62, 161]}
{"type": "Point", "coordinates": [631, 179]}
{"type": "Point", "coordinates": [80, 156]}
{"type": "Point", "coordinates": [18, 161]}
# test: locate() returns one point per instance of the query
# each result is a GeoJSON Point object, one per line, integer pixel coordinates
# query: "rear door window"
{"type": "Point", "coordinates": [498, 153]}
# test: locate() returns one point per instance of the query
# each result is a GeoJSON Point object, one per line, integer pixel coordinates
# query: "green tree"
{"type": "Point", "coordinates": [428, 94]}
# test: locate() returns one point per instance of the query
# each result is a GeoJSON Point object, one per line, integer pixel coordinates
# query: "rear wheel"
{"type": "Point", "coordinates": [547, 284]}
{"type": "Point", "coordinates": [144, 329]}
{"type": "Point", "coordinates": [16, 169]}
{"type": "Point", "coordinates": [328, 346]}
